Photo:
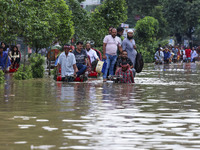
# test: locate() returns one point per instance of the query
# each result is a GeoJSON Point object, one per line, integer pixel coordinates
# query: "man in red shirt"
{"type": "Point", "coordinates": [188, 54]}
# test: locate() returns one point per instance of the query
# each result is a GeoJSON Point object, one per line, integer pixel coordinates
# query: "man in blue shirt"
{"type": "Point", "coordinates": [4, 60]}
{"type": "Point", "coordinates": [166, 55]}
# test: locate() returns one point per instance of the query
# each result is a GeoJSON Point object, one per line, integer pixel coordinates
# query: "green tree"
{"type": "Point", "coordinates": [147, 29]}
{"type": "Point", "coordinates": [182, 16]}
{"type": "Point", "coordinates": [110, 13]}
{"type": "Point", "coordinates": [38, 22]}
{"type": "Point", "coordinates": [80, 17]}
{"type": "Point", "coordinates": [146, 33]}
{"type": "Point", "coordinates": [37, 62]}
{"type": "Point", "coordinates": [61, 20]}
{"type": "Point", "coordinates": [158, 14]}
{"type": "Point", "coordinates": [81, 1]}
{"type": "Point", "coordinates": [8, 20]}
{"type": "Point", "coordinates": [44, 21]}
{"type": "Point", "coordinates": [141, 8]}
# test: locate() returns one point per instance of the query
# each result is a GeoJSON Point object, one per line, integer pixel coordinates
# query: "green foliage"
{"type": "Point", "coordinates": [38, 22]}
{"type": "Point", "coordinates": [148, 51]}
{"type": "Point", "coordinates": [182, 16]}
{"type": "Point", "coordinates": [37, 67]}
{"type": "Point", "coordinates": [81, 1]}
{"type": "Point", "coordinates": [80, 17]}
{"type": "Point", "coordinates": [2, 78]}
{"type": "Point", "coordinates": [23, 73]}
{"type": "Point", "coordinates": [8, 20]}
{"type": "Point", "coordinates": [146, 30]}
{"type": "Point", "coordinates": [110, 13]}
{"type": "Point", "coordinates": [146, 33]}
{"type": "Point", "coordinates": [158, 14]}
{"type": "Point", "coordinates": [141, 8]}
{"type": "Point", "coordinates": [54, 73]}
{"type": "Point", "coordinates": [34, 70]}
{"type": "Point", "coordinates": [62, 21]}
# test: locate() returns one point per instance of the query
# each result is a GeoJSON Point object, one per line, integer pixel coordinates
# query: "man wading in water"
{"type": "Point", "coordinates": [110, 45]}
{"type": "Point", "coordinates": [67, 62]}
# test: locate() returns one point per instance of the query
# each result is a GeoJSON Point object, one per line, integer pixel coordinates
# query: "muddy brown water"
{"type": "Point", "coordinates": [160, 111]}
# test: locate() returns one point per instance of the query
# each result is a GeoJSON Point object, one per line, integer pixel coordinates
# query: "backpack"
{"type": "Point", "coordinates": [139, 63]}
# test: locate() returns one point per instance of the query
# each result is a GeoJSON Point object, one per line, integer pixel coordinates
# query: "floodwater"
{"type": "Point", "coordinates": [161, 111]}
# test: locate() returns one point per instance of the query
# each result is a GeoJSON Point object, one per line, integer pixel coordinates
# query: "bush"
{"type": "Point", "coordinates": [2, 78]}
{"type": "Point", "coordinates": [148, 51]}
{"type": "Point", "coordinates": [23, 73]}
{"type": "Point", "coordinates": [37, 67]}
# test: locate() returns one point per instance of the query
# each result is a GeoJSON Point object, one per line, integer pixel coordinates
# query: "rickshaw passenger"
{"type": "Point", "coordinates": [81, 58]}
{"type": "Point", "coordinates": [14, 56]}
{"type": "Point", "coordinates": [92, 53]}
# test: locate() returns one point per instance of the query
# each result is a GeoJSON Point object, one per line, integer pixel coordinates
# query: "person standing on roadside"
{"type": "Point", "coordinates": [110, 45]}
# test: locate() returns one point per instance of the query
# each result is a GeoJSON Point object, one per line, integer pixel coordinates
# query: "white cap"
{"type": "Point", "coordinates": [130, 30]}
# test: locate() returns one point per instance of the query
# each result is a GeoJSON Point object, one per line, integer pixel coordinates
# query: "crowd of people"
{"type": "Point", "coordinates": [119, 56]}
{"type": "Point", "coordinates": [176, 54]}
{"type": "Point", "coordinates": [9, 57]}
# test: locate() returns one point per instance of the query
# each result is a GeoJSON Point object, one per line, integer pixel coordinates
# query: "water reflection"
{"type": "Point", "coordinates": [160, 111]}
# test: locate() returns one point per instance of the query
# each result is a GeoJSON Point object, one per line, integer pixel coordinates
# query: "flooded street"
{"type": "Point", "coordinates": [161, 111]}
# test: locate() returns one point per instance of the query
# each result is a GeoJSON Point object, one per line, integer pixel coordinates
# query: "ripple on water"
{"type": "Point", "coordinates": [24, 117]}
{"type": "Point", "coordinates": [42, 120]}
{"type": "Point", "coordinates": [49, 128]}
{"type": "Point", "coordinates": [44, 147]}
{"type": "Point", "coordinates": [25, 126]}
{"type": "Point", "coordinates": [20, 142]}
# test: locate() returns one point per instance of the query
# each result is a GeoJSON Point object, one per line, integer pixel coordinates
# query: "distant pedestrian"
{"type": "Point", "coordinates": [194, 55]}
{"type": "Point", "coordinates": [188, 54]}
{"type": "Point", "coordinates": [159, 57]}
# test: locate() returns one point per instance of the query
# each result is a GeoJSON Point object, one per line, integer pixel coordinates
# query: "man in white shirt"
{"type": "Point", "coordinates": [159, 57]}
{"type": "Point", "coordinates": [67, 62]}
{"type": "Point", "coordinates": [194, 55]}
{"type": "Point", "coordinates": [91, 53]}
{"type": "Point", "coordinates": [110, 45]}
